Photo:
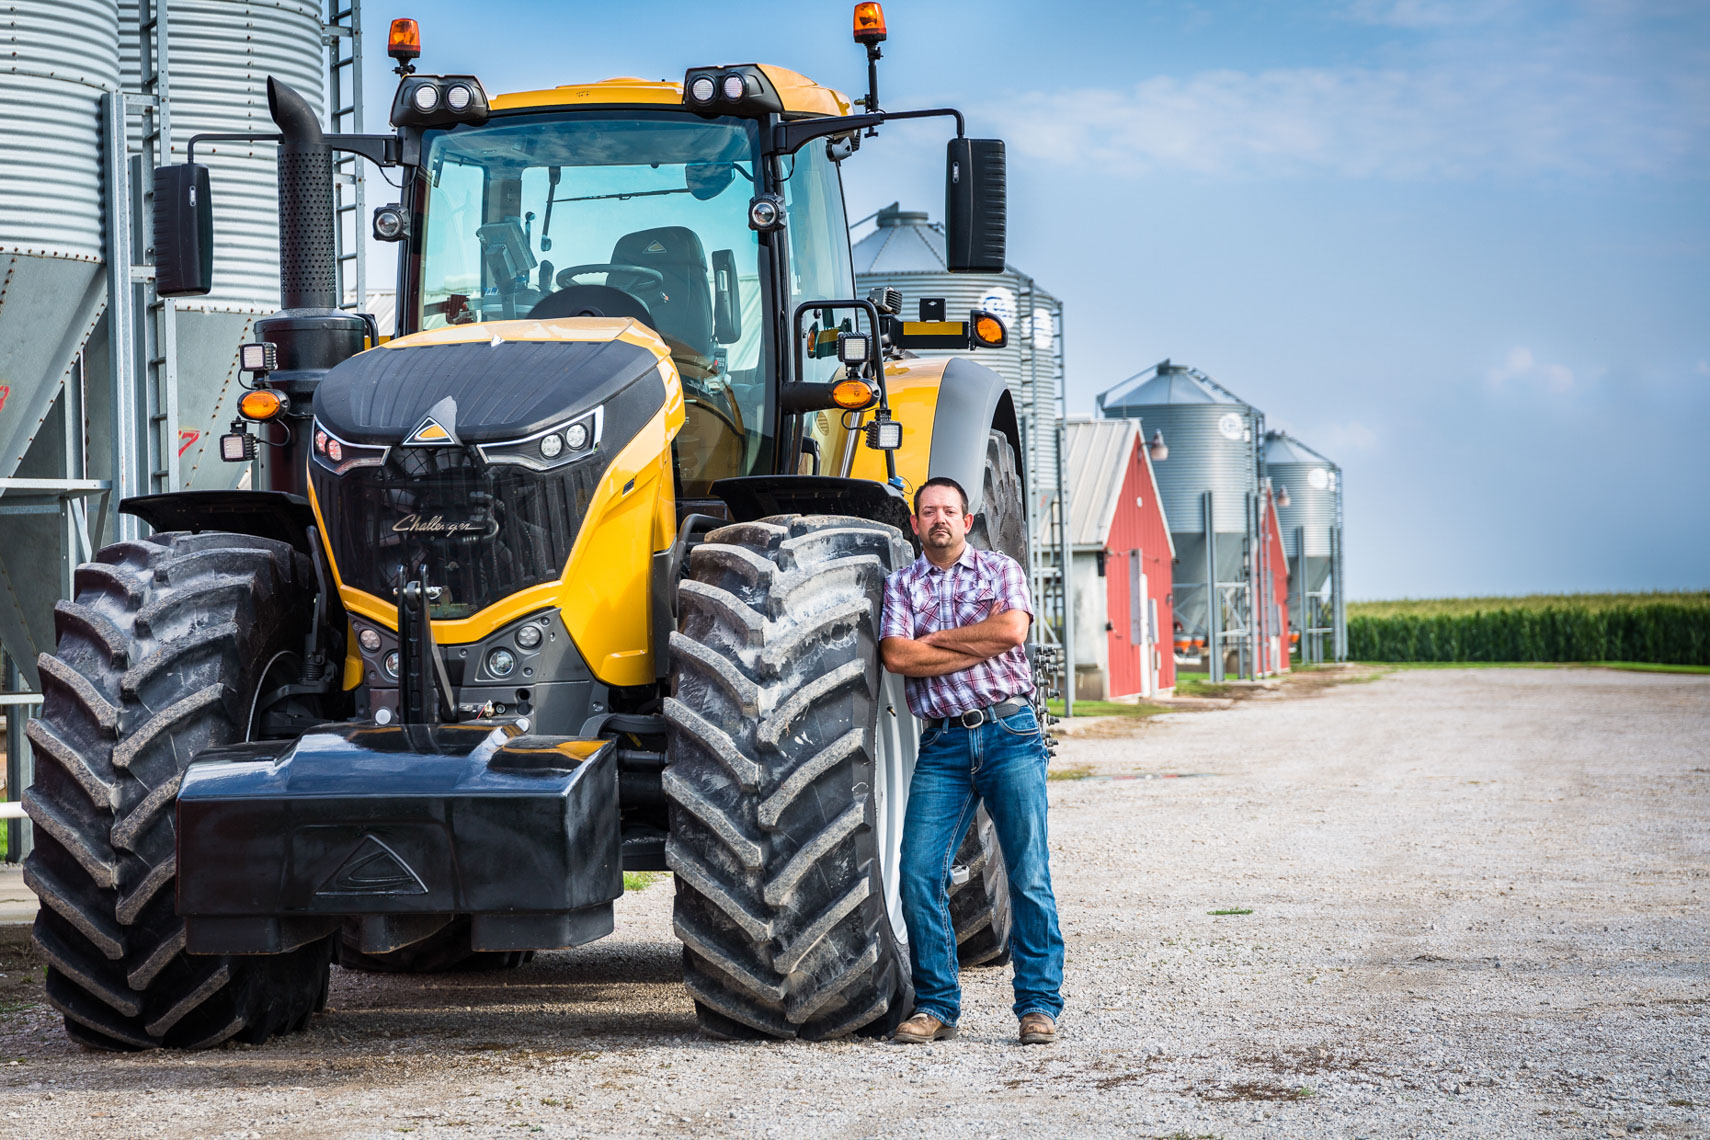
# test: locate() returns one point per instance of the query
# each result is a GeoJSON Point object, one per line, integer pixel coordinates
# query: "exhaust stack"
{"type": "Point", "coordinates": [308, 267]}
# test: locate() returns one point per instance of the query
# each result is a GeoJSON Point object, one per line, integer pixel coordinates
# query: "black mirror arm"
{"type": "Point", "coordinates": [190, 148]}
{"type": "Point", "coordinates": [789, 137]}
{"type": "Point", "coordinates": [381, 150]}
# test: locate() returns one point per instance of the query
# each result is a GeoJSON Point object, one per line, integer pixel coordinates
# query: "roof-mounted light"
{"type": "Point", "coordinates": [404, 43]}
{"type": "Point", "coordinates": [439, 101]}
{"type": "Point", "coordinates": [869, 23]}
{"type": "Point", "coordinates": [740, 89]}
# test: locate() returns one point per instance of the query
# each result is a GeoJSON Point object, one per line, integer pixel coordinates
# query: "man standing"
{"type": "Point", "coordinates": [954, 624]}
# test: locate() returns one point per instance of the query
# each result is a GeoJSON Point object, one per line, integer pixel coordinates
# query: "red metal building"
{"type": "Point", "coordinates": [1122, 564]}
{"type": "Point", "coordinates": [1275, 647]}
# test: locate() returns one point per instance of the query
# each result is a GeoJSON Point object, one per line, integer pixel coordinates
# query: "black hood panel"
{"type": "Point", "coordinates": [503, 391]}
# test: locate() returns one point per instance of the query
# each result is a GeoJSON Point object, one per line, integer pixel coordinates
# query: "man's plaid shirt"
{"type": "Point", "coordinates": [922, 599]}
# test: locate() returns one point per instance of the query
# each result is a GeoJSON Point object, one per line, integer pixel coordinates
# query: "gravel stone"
{"type": "Point", "coordinates": [1394, 841]}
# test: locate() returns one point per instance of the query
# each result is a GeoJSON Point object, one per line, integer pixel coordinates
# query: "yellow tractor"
{"type": "Point", "coordinates": [578, 573]}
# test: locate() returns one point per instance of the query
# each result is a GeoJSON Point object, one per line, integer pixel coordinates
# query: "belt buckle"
{"type": "Point", "coordinates": [979, 716]}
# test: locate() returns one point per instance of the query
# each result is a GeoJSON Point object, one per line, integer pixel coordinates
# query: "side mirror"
{"type": "Point", "coordinates": [727, 298]}
{"type": "Point", "coordinates": [183, 231]}
{"type": "Point", "coordinates": [975, 206]}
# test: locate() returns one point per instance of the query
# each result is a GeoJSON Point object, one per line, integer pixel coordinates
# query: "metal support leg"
{"type": "Point", "coordinates": [20, 762]}
{"type": "Point", "coordinates": [1213, 601]}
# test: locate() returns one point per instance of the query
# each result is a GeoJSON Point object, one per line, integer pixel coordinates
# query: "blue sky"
{"type": "Point", "coordinates": [1461, 247]}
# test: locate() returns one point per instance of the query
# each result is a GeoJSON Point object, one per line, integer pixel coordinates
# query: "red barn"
{"type": "Point", "coordinates": [1272, 573]}
{"type": "Point", "coordinates": [1122, 564]}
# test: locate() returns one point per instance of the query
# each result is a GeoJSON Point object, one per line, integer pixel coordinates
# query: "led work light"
{"type": "Point", "coordinates": [262, 356]}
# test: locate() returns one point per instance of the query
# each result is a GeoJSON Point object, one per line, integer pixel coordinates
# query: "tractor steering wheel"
{"type": "Point", "coordinates": [655, 280]}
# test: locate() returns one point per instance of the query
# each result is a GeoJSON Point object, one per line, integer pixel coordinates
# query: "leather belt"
{"type": "Point", "coordinates": [976, 717]}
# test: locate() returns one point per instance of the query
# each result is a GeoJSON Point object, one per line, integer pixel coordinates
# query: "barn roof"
{"type": "Point", "coordinates": [1095, 453]}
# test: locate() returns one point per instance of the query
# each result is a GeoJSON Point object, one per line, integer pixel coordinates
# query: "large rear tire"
{"type": "Point", "coordinates": [161, 655]}
{"type": "Point", "coordinates": [979, 904]}
{"type": "Point", "coordinates": [789, 755]}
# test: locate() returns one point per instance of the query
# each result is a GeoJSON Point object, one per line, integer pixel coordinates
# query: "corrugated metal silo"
{"type": "Point", "coordinates": [220, 53]}
{"type": "Point", "coordinates": [60, 57]}
{"type": "Point", "coordinates": [906, 251]}
{"type": "Point", "coordinates": [1214, 440]}
{"type": "Point", "coordinates": [1312, 534]}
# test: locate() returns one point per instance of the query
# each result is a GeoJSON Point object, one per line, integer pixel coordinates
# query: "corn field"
{"type": "Point", "coordinates": [1664, 629]}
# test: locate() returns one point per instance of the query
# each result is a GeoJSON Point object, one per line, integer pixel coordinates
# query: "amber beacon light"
{"type": "Point", "coordinates": [404, 41]}
{"type": "Point", "coordinates": [869, 23]}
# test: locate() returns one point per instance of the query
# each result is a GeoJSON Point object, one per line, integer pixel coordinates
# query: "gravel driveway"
{"type": "Point", "coordinates": [1477, 908]}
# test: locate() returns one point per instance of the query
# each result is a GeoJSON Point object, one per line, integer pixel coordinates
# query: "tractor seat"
{"type": "Point", "coordinates": [675, 252]}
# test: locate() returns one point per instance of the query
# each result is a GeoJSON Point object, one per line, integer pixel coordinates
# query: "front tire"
{"type": "Point", "coordinates": [160, 656]}
{"type": "Point", "coordinates": [789, 756]}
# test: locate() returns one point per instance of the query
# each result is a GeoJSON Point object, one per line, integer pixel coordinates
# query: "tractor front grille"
{"type": "Point", "coordinates": [479, 532]}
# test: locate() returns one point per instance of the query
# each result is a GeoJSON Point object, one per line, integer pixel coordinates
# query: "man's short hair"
{"type": "Point", "coordinates": [940, 481]}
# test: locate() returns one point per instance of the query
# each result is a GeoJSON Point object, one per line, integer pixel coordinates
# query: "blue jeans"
{"type": "Point", "coordinates": [1003, 763]}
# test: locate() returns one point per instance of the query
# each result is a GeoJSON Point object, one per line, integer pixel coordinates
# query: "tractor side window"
{"type": "Point", "coordinates": [458, 191]}
{"type": "Point", "coordinates": [820, 265]}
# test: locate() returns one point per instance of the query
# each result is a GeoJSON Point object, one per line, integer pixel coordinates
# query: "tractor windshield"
{"type": "Point", "coordinates": [641, 215]}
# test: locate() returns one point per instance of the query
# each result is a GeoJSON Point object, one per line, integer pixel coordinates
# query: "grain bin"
{"type": "Point", "coordinates": [220, 53]}
{"type": "Point", "coordinates": [1210, 488]}
{"type": "Point", "coordinates": [1312, 537]}
{"type": "Point", "coordinates": [906, 252]}
{"type": "Point", "coordinates": [59, 58]}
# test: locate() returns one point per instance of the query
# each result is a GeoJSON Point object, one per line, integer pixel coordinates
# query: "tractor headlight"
{"type": "Point", "coordinates": [425, 97]}
{"type": "Point", "coordinates": [339, 455]}
{"type": "Point", "coordinates": [528, 636]}
{"type": "Point", "coordinates": [547, 450]}
{"type": "Point", "coordinates": [501, 662]}
{"type": "Point", "coordinates": [390, 664]}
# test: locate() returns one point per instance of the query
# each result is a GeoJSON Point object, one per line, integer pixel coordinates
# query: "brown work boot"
{"type": "Point", "coordinates": [1038, 1029]}
{"type": "Point", "coordinates": [920, 1029]}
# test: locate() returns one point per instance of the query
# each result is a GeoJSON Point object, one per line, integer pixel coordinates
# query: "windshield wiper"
{"type": "Point", "coordinates": [624, 197]}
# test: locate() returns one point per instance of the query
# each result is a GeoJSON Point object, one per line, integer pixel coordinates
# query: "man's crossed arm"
{"type": "Point", "coordinates": [953, 650]}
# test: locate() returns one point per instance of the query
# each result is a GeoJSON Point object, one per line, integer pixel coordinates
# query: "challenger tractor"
{"type": "Point", "coordinates": [579, 571]}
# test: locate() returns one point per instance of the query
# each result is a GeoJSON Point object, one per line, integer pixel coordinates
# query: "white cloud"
{"type": "Point", "coordinates": [1521, 366]}
{"type": "Point", "coordinates": [1470, 93]}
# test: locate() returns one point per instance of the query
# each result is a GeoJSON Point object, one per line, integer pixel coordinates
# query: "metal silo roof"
{"type": "Point", "coordinates": [904, 242]}
{"type": "Point", "coordinates": [1168, 384]}
{"type": "Point", "coordinates": [1281, 447]}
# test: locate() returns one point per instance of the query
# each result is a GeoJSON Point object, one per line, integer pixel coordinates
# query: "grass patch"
{"type": "Point", "coordinates": [1191, 684]}
{"type": "Point", "coordinates": [1075, 773]}
{"type": "Point", "coordinates": [1106, 708]}
{"type": "Point", "coordinates": [640, 880]}
{"type": "Point", "coordinates": [1231, 910]}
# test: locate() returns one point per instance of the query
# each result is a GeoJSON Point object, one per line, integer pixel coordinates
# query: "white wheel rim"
{"type": "Point", "coordinates": [893, 766]}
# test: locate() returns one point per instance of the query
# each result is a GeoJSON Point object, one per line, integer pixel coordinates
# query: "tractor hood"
{"type": "Point", "coordinates": [504, 380]}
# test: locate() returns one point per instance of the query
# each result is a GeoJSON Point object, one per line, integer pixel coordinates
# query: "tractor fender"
{"type": "Point", "coordinates": [973, 401]}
